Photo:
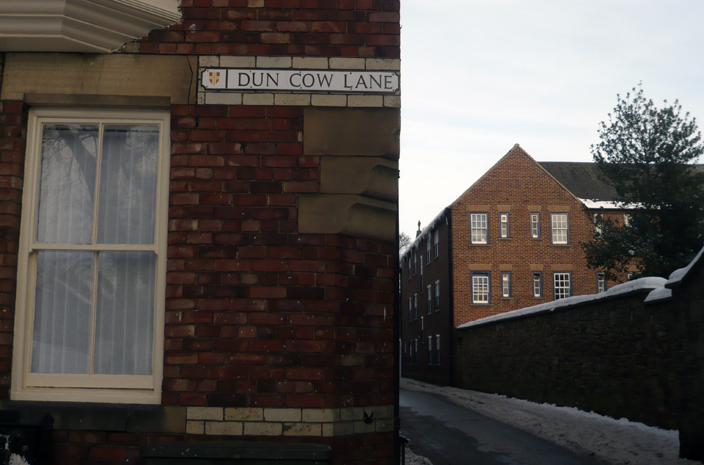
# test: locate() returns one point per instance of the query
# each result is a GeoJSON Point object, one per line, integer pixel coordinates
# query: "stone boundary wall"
{"type": "Point", "coordinates": [616, 356]}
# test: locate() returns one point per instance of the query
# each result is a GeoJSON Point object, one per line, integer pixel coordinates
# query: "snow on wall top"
{"type": "Point", "coordinates": [625, 288]}
{"type": "Point", "coordinates": [677, 275]}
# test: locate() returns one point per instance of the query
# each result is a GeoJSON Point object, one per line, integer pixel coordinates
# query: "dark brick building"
{"type": "Point", "coordinates": [182, 260]}
{"type": "Point", "coordinates": [510, 241]}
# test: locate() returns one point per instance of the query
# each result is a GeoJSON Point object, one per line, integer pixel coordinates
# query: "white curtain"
{"type": "Point", "coordinates": [124, 306]}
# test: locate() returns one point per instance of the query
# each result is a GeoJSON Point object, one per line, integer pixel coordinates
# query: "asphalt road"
{"type": "Point", "coordinates": [448, 434]}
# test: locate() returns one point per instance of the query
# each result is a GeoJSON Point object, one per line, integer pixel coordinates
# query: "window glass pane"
{"type": "Point", "coordinates": [126, 214]}
{"type": "Point", "coordinates": [478, 228]}
{"type": "Point", "coordinates": [600, 283]}
{"type": "Point", "coordinates": [437, 295]}
{"type": "Point", "coordinates": [559, 229]}
{"type": "Point", "coordinates": [480, 288]}
{"type": "Point", "coordinates": [67, 184]}
{"type": "Point", "coordinates": [562, 285]}
{"type": "Point", "coordinates": [504, 224]}
{"type": "Point", "coordinates": [535, 225]}
{"type": "Point", "coordinates": [62, 315]}
{"type": "Point", "coordinates": [505, 285]}
{"type": "Point", "coordinates": [125, 318]}
{"type": "Point", "coordinates": [537, 285]}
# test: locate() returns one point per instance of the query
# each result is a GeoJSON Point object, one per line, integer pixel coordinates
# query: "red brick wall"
{"type": "Point", "coordinates": [13, 123]}
{"type": "Point", "coordinates": [346, 28]}
{"type": "Point", "coordinates": [517, 181]}
{"type": "Point", "coordinates": [258, 315]}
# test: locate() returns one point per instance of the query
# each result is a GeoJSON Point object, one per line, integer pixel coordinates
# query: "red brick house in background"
{"type": "Point", "coordinates": [510, 241]}
{"type": "Point", "coordinates": [183, 261]}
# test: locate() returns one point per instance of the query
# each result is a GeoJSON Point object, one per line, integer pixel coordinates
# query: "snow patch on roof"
{"type": "Point", "coordinates": [625, 288]}
{"type": "Point", "coordinates": [424, 233]}
{"type": "Point", "coordinates": [677, 275]}
{"type": "Point", "coordinates": [607, 205]}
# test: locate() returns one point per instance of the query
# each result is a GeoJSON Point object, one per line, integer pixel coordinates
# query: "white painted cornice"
{"type": "Point", "coordinates": [80, 25]}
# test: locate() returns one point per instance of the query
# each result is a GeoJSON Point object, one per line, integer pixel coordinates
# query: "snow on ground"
{"type": "Point", "coordinates": [413, 459]}
{"type": "Point", "coordinates": [618, 442]}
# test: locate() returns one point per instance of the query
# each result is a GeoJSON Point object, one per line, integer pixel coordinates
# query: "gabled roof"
{"type": "Point", "coordinates": [583, 180]}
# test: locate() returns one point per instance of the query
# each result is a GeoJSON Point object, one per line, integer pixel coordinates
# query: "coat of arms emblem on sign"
{"type": "Point", "coordinates": [214, 77]}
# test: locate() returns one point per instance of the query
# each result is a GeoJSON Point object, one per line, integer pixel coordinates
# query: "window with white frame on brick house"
{"type": "Point", "coordinates": [415, 263]}
{"type": "Point", "coordinates": [560, 228]}
{"type": "Point", "coordinates": [600, 283]}
{"type": "Point", "coordinates": [415, 306]}
{"type": "Point", "coordinates": [506, 284]}
{"type": "Point", "coordinates": [437, 295]}
{"type": "Point", "coordinates": [427, 251]}
{"type": "Point", "coordinates": [535, 225]}
{"type": "Point", "coordinates": [562, 285]}
{"type": "Point", "coordinates": [436, 243]}
{"type": "Point", "coordinates": [479, 228]}
{"type": "Point", "coordinates": [92, 257]}
{"type": "Point", "coordinates": [430, 298]}
{"type": "Point", "coordinates": [504, 231]}
{"type": "Point", "coordinates": [480, 287]}
{"type": "Point", "coordinates": [410, 309]}
{"type": "Point", "coordinates": [537, 284]}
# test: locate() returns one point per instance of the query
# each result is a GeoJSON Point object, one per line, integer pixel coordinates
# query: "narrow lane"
{"type": "Point", "coordinates": [449, 434]}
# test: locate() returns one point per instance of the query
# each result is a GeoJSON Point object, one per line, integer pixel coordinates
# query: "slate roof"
{"type": "Point", "coordinates": [584, 180]}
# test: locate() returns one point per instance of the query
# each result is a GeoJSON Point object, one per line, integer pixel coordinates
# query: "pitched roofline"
{"type": "Point", "coordinates": [517, 146]}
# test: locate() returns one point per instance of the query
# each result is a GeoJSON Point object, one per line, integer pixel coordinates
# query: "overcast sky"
{"type": "Point", "coordinates": [479, 76]}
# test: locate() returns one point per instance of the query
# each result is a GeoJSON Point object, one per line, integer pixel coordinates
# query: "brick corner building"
{"type": "Point", "coordinates": [199, 203]}
{"type": "Point", "coordinates": [510, 241]}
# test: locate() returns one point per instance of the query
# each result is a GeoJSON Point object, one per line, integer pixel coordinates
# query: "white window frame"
{"type": "Point", "coordinates": [143, 389]}
{"type": "Point", "coordinates": [479, 228]}
{"type": "Point", "coordinates": [437, 295]}
{"type": "Point", "coordinates": [427, 251]}
{"type": "Point", "coordinates": [598, 230]}
{"type": "Point", "coordinates": [506, 284]}
{"type": "Point", "coordinates": [600, 283]}
{"type": "Point", "coordinates": [436, 243]}
{"type": "Point", "coordinates": [410, 308]}
{"type": "Point", "coordinates": [537, 284]}
{"type": "Point", "coordinates": [535, 225]}
{"type": "Point", "coordinates": [559, 289]}
{"type": "Point", "coordinates": [481, 287]}
{"type": "Point", "coordinates": [504, 226]}
{"type": "Point", "coordinates": [560, 228]}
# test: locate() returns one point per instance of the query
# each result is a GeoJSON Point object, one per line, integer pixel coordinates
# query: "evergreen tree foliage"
{"type": "Point", "coordinates": [648, 155]}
